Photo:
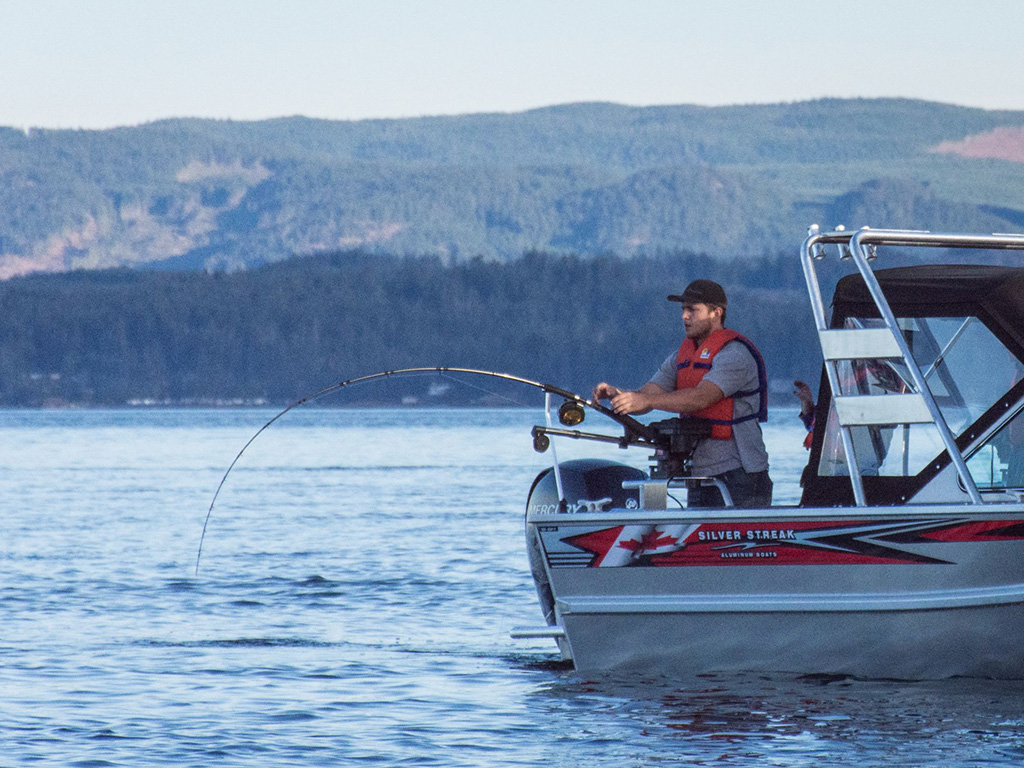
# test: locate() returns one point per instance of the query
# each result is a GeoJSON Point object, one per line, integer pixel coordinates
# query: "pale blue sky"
{"type": "Point", "coordinates": [100, 63]}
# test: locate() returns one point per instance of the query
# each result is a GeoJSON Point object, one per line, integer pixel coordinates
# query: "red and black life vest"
{"type": "Point", "coordinates": [694, 363]}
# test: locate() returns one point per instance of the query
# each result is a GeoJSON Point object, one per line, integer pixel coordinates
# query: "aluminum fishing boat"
{"type": "Point", "coordinates": [905, 556]}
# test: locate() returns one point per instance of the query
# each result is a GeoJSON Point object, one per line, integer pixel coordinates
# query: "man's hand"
{"type": "Point", "coordinates": [603, 390]}
{"type": "Point", "coordinates": [803, 392]}
{"type": "Point", "coordinates": [652, 397]}
{"type": "Point", "coordinates": [625, 403]}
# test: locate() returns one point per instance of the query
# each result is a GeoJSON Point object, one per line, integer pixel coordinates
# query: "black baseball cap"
{"type": "Point", "coordinates": [702, 292]}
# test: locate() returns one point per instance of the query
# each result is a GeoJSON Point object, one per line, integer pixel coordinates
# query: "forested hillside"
{"type": "Point", "coordinates": [584, 178]}
{"type": "Point", "coordinates": [279, 332]}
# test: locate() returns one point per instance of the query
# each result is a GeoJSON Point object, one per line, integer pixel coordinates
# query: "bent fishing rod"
{"type": "Point", "coordinates": [635, 431]}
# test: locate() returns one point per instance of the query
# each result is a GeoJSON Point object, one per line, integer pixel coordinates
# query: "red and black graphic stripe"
{"type": "Point", "coordinates": [793, 542]}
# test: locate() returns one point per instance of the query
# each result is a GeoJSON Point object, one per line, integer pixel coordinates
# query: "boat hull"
{"type": "Point", "coordinates": [901, 592]}
{"type": "Point", "coordinates": [972, 642]}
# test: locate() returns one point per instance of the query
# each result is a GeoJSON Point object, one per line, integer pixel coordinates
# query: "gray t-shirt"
{"type": "Point", "coordinates": [732, 370]}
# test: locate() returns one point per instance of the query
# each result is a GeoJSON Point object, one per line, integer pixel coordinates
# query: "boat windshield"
{"type": "Point", "coordinates": [967, 370]}
{"type": "Point", "coordinates": [999, 463]}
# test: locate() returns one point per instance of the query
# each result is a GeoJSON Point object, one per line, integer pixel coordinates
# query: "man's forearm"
{"type": "Point", "coordinates": [685, 400]}
{"type": "Point", "coordinates": [652, 397]}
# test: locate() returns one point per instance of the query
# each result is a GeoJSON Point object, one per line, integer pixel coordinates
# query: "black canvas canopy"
{"type": "Point", "coordinates": [995, 294]}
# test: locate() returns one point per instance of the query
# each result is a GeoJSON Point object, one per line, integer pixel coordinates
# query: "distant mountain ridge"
{"type": "Point", "coordinates": [585, 178]}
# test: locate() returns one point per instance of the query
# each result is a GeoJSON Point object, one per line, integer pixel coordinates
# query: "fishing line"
{"type": "Point", "coordinates": [308, 399]}
{"type": "Point", "coordinates": [485, 390]}
{"type": "Point", "coordinates": [631, 425]}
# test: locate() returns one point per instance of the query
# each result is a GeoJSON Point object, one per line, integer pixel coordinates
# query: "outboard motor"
{"type": "Point", "coordinates": [589, 485]}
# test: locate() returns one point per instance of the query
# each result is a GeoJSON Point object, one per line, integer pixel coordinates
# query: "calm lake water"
{"type": "Point", "coordinates": [359, 578]}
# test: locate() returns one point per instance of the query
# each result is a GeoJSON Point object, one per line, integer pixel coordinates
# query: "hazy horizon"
{"type": "Point", "coordinates": [115, 63]}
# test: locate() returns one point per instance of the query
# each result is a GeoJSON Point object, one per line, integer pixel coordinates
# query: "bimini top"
{"type": "Point", "coordinates": [992, 293]}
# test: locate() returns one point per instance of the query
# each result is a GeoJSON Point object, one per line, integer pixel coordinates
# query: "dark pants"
{"type": "Point", "coordinates": [748, 490]}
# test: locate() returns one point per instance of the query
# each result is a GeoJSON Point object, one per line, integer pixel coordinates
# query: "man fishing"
{"type": "Point", "coordinates": [717, 375]}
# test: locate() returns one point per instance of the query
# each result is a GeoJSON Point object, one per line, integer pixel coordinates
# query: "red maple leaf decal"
{"type": "Point", "coordinates": [651, 540]}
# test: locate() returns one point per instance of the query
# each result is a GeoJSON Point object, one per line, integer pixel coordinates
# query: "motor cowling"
{"type": "Point", "coordinates": [588, 485]}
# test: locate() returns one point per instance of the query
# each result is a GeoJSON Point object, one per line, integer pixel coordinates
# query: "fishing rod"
{"type": "Point", "coordinates": [635, 431]}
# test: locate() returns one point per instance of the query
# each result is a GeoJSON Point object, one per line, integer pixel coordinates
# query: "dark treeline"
{"type": "Point", "coordinates": [280, 332]}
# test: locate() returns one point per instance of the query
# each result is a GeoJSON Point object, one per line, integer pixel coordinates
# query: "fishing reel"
{"type": "Point", "coordinates": [570, 413]}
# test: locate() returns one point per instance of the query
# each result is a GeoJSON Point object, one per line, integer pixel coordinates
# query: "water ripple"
{"type": "Point", "coordinates": [352, 611]}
